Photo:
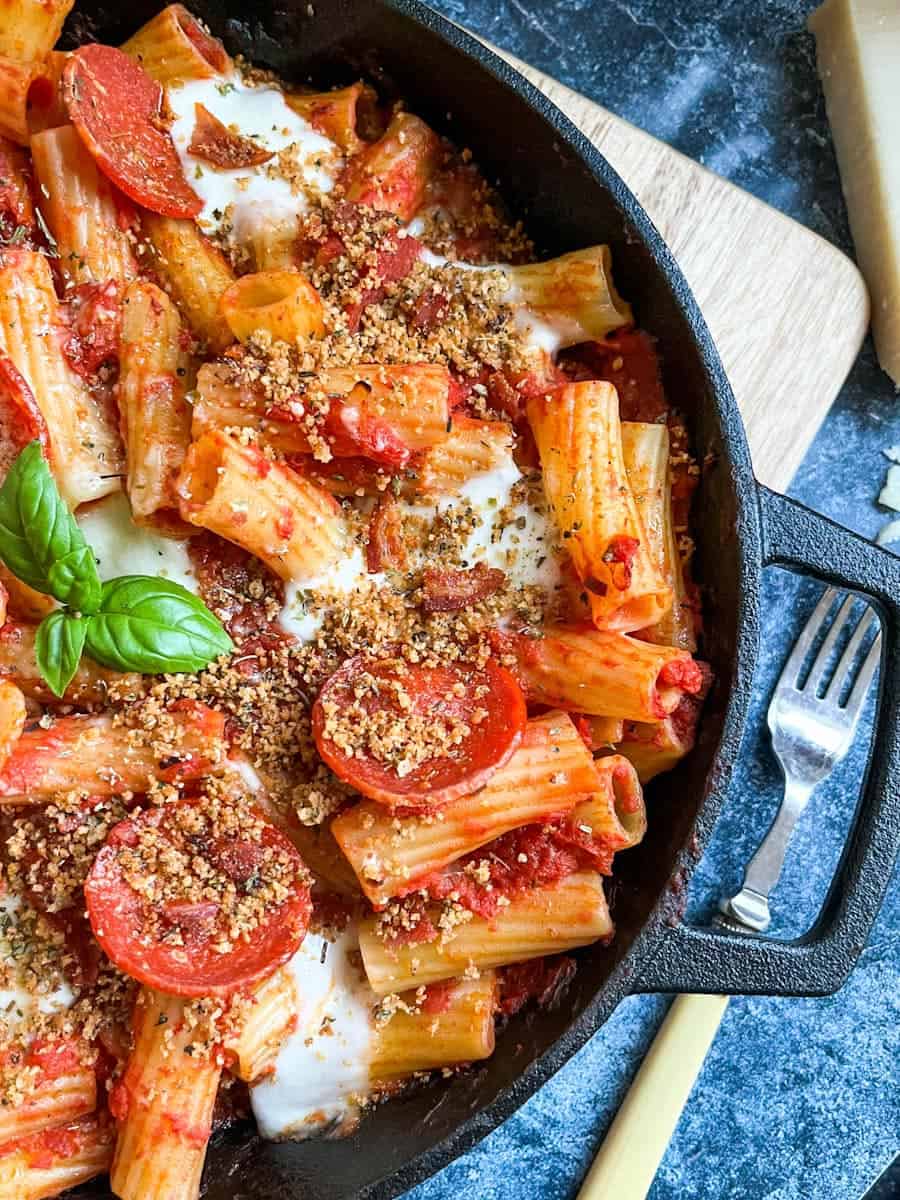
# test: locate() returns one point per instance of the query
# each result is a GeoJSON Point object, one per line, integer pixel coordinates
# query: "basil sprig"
{"type": "Point", "coordinates": [39, 539]}
{"type": "Point", "coordinates": [133, 623]}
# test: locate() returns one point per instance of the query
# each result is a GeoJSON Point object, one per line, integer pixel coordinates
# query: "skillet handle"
{"type": "Point", "coordinates": [691, 959]}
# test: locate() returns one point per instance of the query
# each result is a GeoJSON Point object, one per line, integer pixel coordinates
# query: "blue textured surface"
{"type": "Point", "coordinates": [798, 1098]}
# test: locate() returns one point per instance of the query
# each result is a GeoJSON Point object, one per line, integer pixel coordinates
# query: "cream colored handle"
{"type": "Point", "coordinates": [634, 1147]}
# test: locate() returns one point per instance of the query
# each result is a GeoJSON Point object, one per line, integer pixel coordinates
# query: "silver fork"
{"type": "Point", "coordinates": [811, 733]}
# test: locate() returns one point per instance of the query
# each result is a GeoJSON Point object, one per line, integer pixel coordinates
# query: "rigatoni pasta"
{"type": "Point", "coordinates": [544, 921]}
{"type": "Point", "coordinates": [88, 223]}
{"type": "Point", "coordinates": [578, 433]}
{"type": "Point", "coordinates": [166, 1104]}
{"type": "Point", "coordinates": [85, 447]}
{"type": "Point", "coordinates": [153, 406]}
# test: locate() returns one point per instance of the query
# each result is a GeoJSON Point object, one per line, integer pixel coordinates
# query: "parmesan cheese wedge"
{"type": "Point", "coordinates": [858, 52]}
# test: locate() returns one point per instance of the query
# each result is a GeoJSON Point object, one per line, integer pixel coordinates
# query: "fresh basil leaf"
{"type": "Point", "coordinates": [154, 626]}
{"type": "Point", "coordinates": [39, 539]}
{"type": "Point", "coordinates": [58, 644]}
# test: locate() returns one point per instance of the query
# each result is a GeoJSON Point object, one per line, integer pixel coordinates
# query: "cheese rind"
{"type": "Point", "coordinates": [858, 53]}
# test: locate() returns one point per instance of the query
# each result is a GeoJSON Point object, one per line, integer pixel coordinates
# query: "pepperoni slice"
{"type": "Point", "coordinates": [417, 736]}
{"type": "Point", "coordinates": [221, 146]}
{"type": "Point", "coordinates": [173, 934]}
{"type": "Point", "coordinates": [117, 109]}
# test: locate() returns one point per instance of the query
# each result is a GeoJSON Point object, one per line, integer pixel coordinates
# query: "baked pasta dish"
{"type": "Point", "coordinates": [345, 605]}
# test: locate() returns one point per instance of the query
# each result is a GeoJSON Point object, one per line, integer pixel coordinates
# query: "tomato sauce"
{"type": "Point", "coordinates": [550, 852]}
{"type": "Point", "coordinates": [541, 979]}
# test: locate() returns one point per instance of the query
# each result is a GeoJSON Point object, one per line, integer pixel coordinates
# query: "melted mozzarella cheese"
{"type": "Point", "coordinates": [349, 575]}
{"type": "Point", "coordinates": [18, 1005]}
{"type": "Point", "coordinates": [517, 537]}
{"type": "Point", "coordinates": [545, 333]}
{"type": "Point", "coordinates": [251, 198]}
{"type": "Point", "coordinates": [322, 1071]}
{"type": "Point", "coordinates": [122, 548]}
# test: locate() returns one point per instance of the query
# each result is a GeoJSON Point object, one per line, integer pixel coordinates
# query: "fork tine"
{"type": "Point", "coordinates": [848, 659]}
{"type": "Point", "coordinates": [857, 698]}
{"type": "Point", "coordinates": [820, 662]}
{"type": "Point", "coordinates": [794, 665]}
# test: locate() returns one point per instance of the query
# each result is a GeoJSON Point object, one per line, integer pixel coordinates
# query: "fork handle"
{"type": "Point", "coordinates": [751, 904]}
{"type": "Point", "coordinates": [638, 1137]}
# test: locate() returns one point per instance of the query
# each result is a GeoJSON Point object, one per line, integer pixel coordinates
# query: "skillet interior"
{"type": "Point", "coordinates": [567, 202]}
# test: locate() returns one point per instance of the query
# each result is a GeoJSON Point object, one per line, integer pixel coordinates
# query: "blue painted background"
{"type": "Point", "coordinates": [799, 1099]}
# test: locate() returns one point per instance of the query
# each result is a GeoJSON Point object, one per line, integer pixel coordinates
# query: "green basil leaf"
{"type": "Point", "coordinates": [154, 626]}
{"type": "Point", "coordinates": [58, 644]}
{"type": "Point", "coordinates": [39, 539]}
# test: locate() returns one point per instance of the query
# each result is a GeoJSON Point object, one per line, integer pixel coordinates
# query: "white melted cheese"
{"type": "Point", "coordinates": [349, 575]}
{"type": "Point", "coordinates": [543, 332]}
{"type": "Point", "coordinates": [322, 1071]}
{"type": "Point", "coordinates": [19, 1006]}
{"type": "Point", "coordinates": [251, 198]}
{"type": "Point", "coordinates": [522, 543]}
{"type": "Point", "coordinates": [122, 548]}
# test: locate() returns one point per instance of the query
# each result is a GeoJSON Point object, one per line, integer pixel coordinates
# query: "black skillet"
{"type": "Point", "coordinates": [571, 197]}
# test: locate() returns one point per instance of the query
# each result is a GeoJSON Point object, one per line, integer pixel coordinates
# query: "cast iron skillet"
{"type": "Point", "coordinates": [571, 197]}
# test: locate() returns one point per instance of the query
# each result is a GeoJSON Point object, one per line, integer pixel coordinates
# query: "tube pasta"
{"type": "Point", "coordinates": [46, 109]}
{"type": "Point", "coordinates": [80, 209]}
{"type": "Point", "coordinates": [654, 747]}
{"type": "Point", "coordinates": [549, 773]}
{"type": "Point", "coordinates": [273, 245]}
{"type": "Point", "coordinates": [578, 434]}
{"type": "Point", "coordinates": [411, 398]}
{"type": "Point", "coordinates": [615, 813]}
{"type": "Point", "coordinates": [281, 303]}
{"type": "Point", "coordinates": [321, 853]}
{"type": "Point", "coordinates": [599, 673]}
{"type": "Point", "coordinates": [333, 114]}
{"type": "Point", "coordinates": [459, 1029]}
{"type": "Point", "coordinates": [30, 28]}
{"type": "Point", "coordinates": [92, 754]}
{"type": "Point", "coordinates": [295, 527]}
{"type": "Point", "coordinates": [62, 1094]}
{"type": "Point", "coordinates": [155, 414]}
{"type": "Point", "coordinates": [12, 722]}
{"type": "Point", "coordinates": [174, 47]}
{"type": "Point", "coordinates": [270, 1018]}
{"type": "Point", "coordinates": [645, 450]}
{"type": "Point", "coordinates": [604, 732]}
{"type": "Point", "coordinates": [575, 293]}
{"type": "Point", "coordinates": [40, 1167]}
{"type": "Point", "coordinates": [22, 602]}
{"type": "Point", "coordinates": [471, 448]}
{"type": "Point", "coordinates": [393, 173]}
{"type": "Point", "coordinates": [168, 1095]}
{"type": "Point", "coordinates": [195, 274]}
{"type": "Point", "coordinates": [85, 448]}
{"type": "Point", "coordinates": [543, 921]}
{"type": "Point", "coordinates": [18, 666]}
{"type": "Point", "coordinates": [17, 199]}
{"type": "Point", "coordinates": [16, 81]}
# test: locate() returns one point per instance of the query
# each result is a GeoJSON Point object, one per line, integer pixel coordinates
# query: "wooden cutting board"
{"type": "Point", "coordinates": [787, 310]}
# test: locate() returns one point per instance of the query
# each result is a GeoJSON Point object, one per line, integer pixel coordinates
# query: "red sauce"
{"type": "Point", "coordinates": [95, 327]}
{"type": "Point", "coordinates": [224, 573]}
{"type": "Point", "coordinates": [438, 997]}
{"type": "Point", "coordinates": [551, 853]}
{"type": "Point", "coordinates": [628, 360]}
{"type": "Point", "coordinates": [540, 979]}
{"type": "Point", "coordinates": [682, 673]}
